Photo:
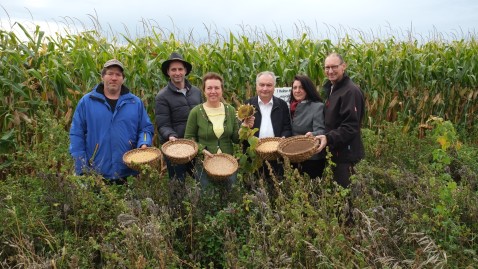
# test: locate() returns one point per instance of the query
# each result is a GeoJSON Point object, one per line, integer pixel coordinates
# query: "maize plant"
{"type": "Point", "coordinates": [404, 80]}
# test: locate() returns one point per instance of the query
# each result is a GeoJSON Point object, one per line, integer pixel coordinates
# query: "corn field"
{"type": "Point", "coordinates": [405, 81]}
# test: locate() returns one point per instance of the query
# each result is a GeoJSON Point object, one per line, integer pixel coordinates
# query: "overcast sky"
{"type": "Point", "coordinates": [451, 19]}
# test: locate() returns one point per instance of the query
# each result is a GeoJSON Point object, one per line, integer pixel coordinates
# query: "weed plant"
{"type": "Point", "coordinates": [406, 213]}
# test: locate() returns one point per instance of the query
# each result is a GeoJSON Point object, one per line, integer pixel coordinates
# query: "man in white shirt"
{"type": "Point", "coordinates": [272, 114]}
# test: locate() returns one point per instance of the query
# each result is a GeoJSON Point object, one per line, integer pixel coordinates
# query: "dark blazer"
{"type": "Point", "coordinates": [280, 116]}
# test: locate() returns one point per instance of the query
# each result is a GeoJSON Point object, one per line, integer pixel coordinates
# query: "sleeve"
{"type": "Point", "coordinates": [318, 121]}
{"type": "Point", "coordinates": [235, 125]}
{"type": "Point", "coordinates": [192, 127]}
{"type": "Point", "coordinates": [163, 117]}
{"type": "Point", "coordinates": [78, 131]}
{"type": "Point", "coordinates": [146, 129]}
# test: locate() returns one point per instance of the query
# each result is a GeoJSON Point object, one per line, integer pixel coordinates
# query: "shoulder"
{"type": "Point", "coordinates": [90, 96]}
{"type": "Point", "coordinates": [132, 97]}
{"type": "Point", "coordinates": [350, 84]}
{"type": "Point", "coordinates": [316, 104]}
{"type": "Point", "coordinates": [87, 96]}
{"type": "Point", "coordinates": [315, 108]}
{"type": "Point", "coordinates": [354, 89]}
{"type": "Point", "coordinates": [195, 94]}
{"type": "Point", "coordinates": [195, 89]}
{"type": "Point", "coordinates": [228, 106]}
{"type": "Point", "coordinates": [164, 91]}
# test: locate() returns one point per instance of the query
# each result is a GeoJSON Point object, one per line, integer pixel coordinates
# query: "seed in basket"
{"type": "Point", "coordinates": [180, 150]}
{"type": "Point", "coordinates": [268, 146]}
{"type": "Point", "coordinates": [297, 146]}
{"type": "Point", "coordinates": [226, 167]}
{"type": "Point", "coordinates": [141, 157]}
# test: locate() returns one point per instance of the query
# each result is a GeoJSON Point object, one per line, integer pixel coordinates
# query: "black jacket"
{"type": "Point", "coordinates": [280, 116]}
{"type": "Point", "coordinates": [172, 110]}
{"type": "Point", "coordinates": [344, 110]}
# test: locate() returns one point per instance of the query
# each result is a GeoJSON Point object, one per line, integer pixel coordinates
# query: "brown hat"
{"type": "Point", "coordinates": [175, 57]}
{"type": "Point", "coordinates": [113, 62]}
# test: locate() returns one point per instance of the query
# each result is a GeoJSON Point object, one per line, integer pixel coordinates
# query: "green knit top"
{"type": "Point", "coordinates": [200, 129]}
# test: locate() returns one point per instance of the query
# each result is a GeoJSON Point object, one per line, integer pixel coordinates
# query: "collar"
{"type": "Point", "coordinates": [101, 89]}
{"type": "Point", "coordinates": [271, 102]}
{"type": "Point", "coordinates": [328, 85]}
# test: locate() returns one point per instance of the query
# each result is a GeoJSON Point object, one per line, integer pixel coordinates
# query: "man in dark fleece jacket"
{"type": "Point", "coordinates": [344, 110]}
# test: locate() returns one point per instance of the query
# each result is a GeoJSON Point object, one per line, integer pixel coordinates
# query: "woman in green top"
{"type": "Point", "coordinates": [213, 125]}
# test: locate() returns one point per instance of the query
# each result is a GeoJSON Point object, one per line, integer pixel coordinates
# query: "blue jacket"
{"type": "Point", "coordinates": [99, 138]}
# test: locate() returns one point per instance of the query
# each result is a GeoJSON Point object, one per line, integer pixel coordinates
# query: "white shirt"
{"type": "Point", "coordinates": [266, 129]}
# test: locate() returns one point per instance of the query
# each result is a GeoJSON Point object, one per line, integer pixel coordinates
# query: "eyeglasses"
{"type": "Point", "coordinates": [332, 67]}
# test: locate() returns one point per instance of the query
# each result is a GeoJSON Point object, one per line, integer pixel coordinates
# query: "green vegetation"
{"type": "Point", "coordinates": [414, 197]}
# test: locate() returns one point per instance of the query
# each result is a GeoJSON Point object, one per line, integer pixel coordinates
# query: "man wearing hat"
{"type": "Point", "coordinates": [109, 121]}
{"type": "Point", "coordinates": [173, 104]}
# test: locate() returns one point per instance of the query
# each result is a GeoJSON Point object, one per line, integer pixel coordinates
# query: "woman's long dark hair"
{"type": "Point", "coordinates": [309, 88]}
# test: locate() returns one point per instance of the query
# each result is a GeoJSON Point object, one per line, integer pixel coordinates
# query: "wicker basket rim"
{"type": "Point", "coordinates": [139, 150]}
{"type": "Point", "coordinates": [180, 142]}
{"type": "Point", "coordinates": [272, 138]}
{"type": "Point", "coordinates": [293, 139]}
{"type": "Point", "coordinates": [208, 160]}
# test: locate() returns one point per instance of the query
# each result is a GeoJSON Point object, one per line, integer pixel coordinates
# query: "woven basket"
{"type": "Point", "coordinates": [180, 151]}
{"type": "Point", "coordinates": [266, 148]}
{"type": "Point", "coordinates": [298, 148]}
{"type": "Point", "coordinates": [221, 166]}
{"type": "Point", "coordinates": [135, 158]}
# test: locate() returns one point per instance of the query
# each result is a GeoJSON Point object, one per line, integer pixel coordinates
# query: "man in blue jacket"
{"type": "Point", "coordinates": [109, 121]}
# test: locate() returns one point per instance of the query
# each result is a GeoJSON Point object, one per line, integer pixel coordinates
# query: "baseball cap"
{"type": "Point", "coordinates": [113, 62]}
